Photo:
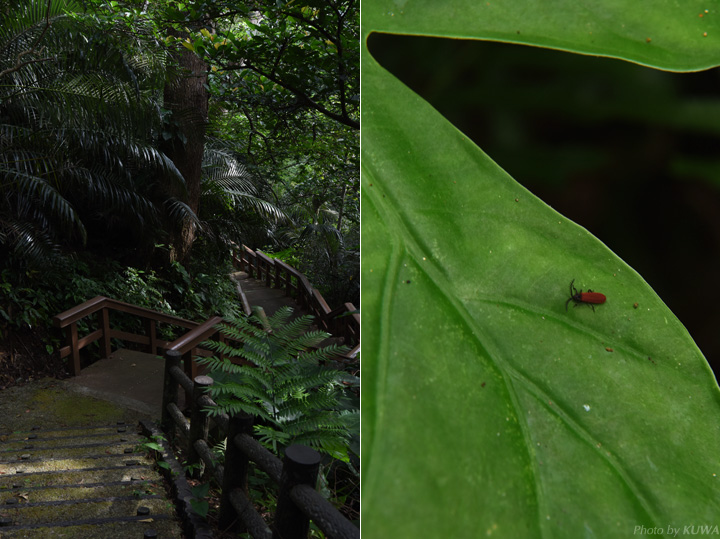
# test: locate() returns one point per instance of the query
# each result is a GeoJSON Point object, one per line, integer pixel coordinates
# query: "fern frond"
{"type": "Point", "coordinates": [299, 398]}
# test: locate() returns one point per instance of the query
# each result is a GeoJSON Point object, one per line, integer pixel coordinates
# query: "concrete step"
{"type": "Point", "coordinates": [81, 482]}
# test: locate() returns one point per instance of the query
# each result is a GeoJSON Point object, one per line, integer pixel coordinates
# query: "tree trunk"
{"type": "Point", "coordinates": [187, 98]}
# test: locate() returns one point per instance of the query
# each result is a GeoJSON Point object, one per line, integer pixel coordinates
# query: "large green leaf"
{"type": "Point", "coordinates": [488, 409]}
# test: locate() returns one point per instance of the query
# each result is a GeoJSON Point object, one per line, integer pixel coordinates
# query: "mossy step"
{"type": "Point", "coordinates": [126, 474]}
{"type": "Point", "coordinates": [54, 438]}
{"type": "Point", "coordinates": [49, 512]}
{"type": "Point", "coordinates": [76, 441]}
{"type": "Point", "coordinates": [59, 432]}
{"type": "Point", "coordinates": [130, 528]}
{"type": "Point", "coordinates": [70, 463]}
{"type": "Point", "coordinates": [68, 437]}
{"type": "Point", "coordinates": [25, 494]}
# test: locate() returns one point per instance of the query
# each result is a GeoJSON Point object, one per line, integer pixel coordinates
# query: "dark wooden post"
{"type": "Point", "coordinates": [236, 472]}
{"type": "Point", "coordinates": [249, 266]}
{"type": "Point", "coordinates": [104, 323]}
{"type": "Point", "coordinates": [199, 422]}
{"type": "Point", "coordinates": [288, 283]}
{"type": "Point", "coordinates": [268, 274]}
{"type": "Point", "coordinates": [278, 278]}
{"type": "Point", "coordinates": [72, 340]}
{"type": "Point", "coordinates": [170, 390]}
{"type": "Point", "coordinates": [300, 466]}
{"type": "Point", "coordinates": [151, 331]}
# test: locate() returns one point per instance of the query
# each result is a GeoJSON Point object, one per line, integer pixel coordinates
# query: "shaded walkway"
{"type": "Point", "coordinates": [128, 378]}
{"type": "Point", "coordinates": [270, 299]}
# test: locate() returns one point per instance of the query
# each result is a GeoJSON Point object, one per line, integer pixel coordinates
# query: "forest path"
{"type": "Point", "coordinates": [270, 299]}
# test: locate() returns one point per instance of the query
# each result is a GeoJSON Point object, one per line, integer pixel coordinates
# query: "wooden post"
{"type": "Point", "coordinates": [72, 340]}
{"type": "Point", "coordinates": [199, 422]}
{"type": "Point", "coordinates": [300, 466]}
{"type": "Point", "coordinates": [236, 472]}
{"type": "Point", "coordinates": [150, 329]}
{"type": "Point", "coordinates": [268, 275]}
{"type": "Point", "coordinates": [170, 390]}
{"type": "Point", "coordinates": [250, 269]}
{"type": "Point", "coordinates": [278, 279]}
{"type": "Point", "coordinates": [288, 283]}
{"type": "Point", "coordinates": [104, 322]}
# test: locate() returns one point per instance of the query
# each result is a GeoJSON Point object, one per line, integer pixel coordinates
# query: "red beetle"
{"type": "Point", "coordinates": [588, 298]}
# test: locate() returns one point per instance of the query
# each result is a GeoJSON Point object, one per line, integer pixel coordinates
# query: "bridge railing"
{"type": "Point", "coordinates": [101, 307]}
{"type": "Point", "coordinates": [343, 321]}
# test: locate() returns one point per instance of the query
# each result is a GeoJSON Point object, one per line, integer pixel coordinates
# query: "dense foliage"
{"type": "Point", "coordinates": [92, 126]}
{"type": "Point", "coordinates": [282, 379]}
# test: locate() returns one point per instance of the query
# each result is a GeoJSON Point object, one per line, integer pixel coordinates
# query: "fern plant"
{"type": "Point", "coordinates": [281, 379]}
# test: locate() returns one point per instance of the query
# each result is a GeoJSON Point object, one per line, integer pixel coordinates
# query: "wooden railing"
{"type": "Point", "coordinates": [343, 321]}
{"type": "Point", "coordinates": [187, 344]}
{"type": "Point", "coordinates": [102, 307]}
{"type": "Point", "coordinates": [298, 501]}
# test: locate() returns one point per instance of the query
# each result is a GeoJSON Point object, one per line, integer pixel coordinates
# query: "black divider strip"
{"type": "Point", "coordinates": [79, 435]}
{"type": "Point", "coordinates": [89, 522]}
{"type": "Point", "coordinates": [118, 425]}
{"type": "Point", "coordinates": [75, 446]}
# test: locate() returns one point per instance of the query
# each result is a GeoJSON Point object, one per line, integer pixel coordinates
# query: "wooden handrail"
{"type": "Point", "coordinates": [195, 336]}
{"type": "Point", "coordinates": [79, 311]}
{"type": "Point", "coordinates": [101, 305]}
{"type": "Point", "coordinates": [97, 303]}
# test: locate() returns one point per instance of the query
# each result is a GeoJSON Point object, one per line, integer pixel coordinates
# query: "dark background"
{"type": "Point", "coordinates": [630, 153]}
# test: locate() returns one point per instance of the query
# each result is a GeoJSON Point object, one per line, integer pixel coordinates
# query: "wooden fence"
{"type": "Point", "coordinates": [298, 502]}
{"type": "Point", "coordinates": [103, 307]}
{"type": "Point", "coordinates": [343, 321]}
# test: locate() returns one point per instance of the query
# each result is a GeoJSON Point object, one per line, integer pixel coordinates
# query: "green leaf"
{"type": "Point", "coordinates": [153, 446]}
{"type": "Point", "coordinates": [488, 409]}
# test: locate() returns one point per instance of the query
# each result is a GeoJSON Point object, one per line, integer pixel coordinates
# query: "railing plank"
{"type": "Point", "coordinates": [250, 517]}
{"type": "Point", "coordinates": [70, 316]}
{"type": "Point", "coordinates": [94, 305]}
{"type": "Point", "coordinates": [265, 460]}
{"type": "Point", "coordinates": [323, 513]}
{"type": "Point", "coordinates": [196, 335]}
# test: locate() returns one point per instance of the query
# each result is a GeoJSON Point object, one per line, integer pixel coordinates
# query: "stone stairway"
{"type": "Point", "coordinates": [81, 482]}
